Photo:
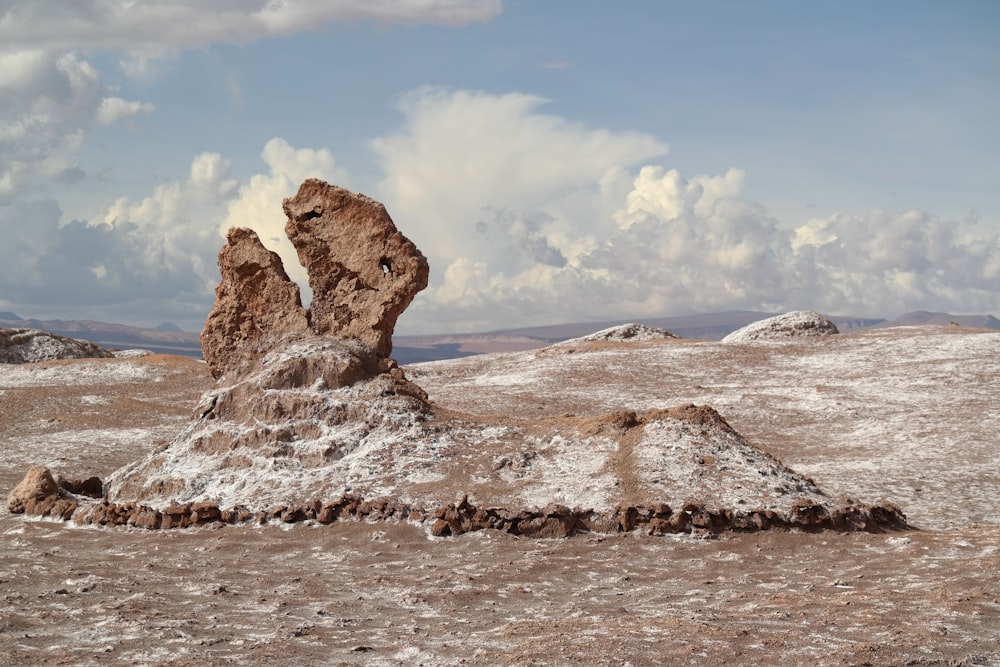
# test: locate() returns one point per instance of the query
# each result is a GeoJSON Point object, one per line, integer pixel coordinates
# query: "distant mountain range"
{"type": "Point", "coordinates": [709, 326]}
{"type": "Point", "coordinates": [167, 338]}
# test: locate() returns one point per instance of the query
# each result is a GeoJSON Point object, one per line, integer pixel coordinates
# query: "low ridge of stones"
{"type": "Point", "coordinates": [310, 419]}
{"type": "Point", "coordinates": [22, 346]}
{"type": "Point", "coordinates": [798, 323]}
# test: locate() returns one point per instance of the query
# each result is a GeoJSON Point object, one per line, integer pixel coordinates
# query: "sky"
{"type": "Point", "coordinates": [555, 160]}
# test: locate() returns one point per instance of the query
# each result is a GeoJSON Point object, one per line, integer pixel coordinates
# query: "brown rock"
{"type": "Point", "coordinates": [205, 512]}
{"type": "Point", "coordinates": [91, 487]}
{"type": "Point", "coordinates": [37, 485]}
{"type": "Point", "coordinates": [256, 301]}
{"type": "Point", "coordinates": [363, 272]}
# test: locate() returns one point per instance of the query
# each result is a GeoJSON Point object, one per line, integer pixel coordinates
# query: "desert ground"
{"type": "Point", "coordinates": [908, 414]}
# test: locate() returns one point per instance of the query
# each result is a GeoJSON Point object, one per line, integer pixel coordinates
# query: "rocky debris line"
{"type": "Point", "coordinates": [794, 324]}
{"type": "Point", "coordinates": [363, 273]}
{"type": "Point", "coordinates": [626, 333]}
{"type": "Point", "coordinates": [40, 495]}
{"type": "Point", "coordinates": [21, 346]}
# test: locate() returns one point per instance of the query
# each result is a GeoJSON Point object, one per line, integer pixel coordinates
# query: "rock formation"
{"type": "Point", "coordinates": [256, 303]}
{"type": "Point", "coordinates": [627, 333]}
{"type": "Point", "coordinates": [790, 325]}
{"type": "Point", "coordinates": [310, 419]}
{"type": "Point", "coordinates": [363, 273]}
{"type": "Point", "coordinates": [20, 346]}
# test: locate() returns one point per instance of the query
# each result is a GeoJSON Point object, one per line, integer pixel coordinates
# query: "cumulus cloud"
{"type": "Point", "coordinates": [526, 217]}
{"type": "Point", "coordinates": [882, 261]}
{"type": "Point", "coordinates": [48, 102]}
{"type": "Point", "coordinates": [529, 218]}
{"type": "Point", "coordinates": [113, 109]}
{"type": "Point", "coordinates": [154, 257]}
{"type": "Point", "coordinates": [52, 97]}
{"type": "Point", "coordinates": [472, 174]}
{"type": "Point", "coordinates": [258, 204]}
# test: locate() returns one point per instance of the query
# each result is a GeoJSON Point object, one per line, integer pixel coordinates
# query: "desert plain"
{"type": "Point", "coordinates": [906, 414]}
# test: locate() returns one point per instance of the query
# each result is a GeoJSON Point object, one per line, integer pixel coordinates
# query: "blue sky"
{"type": "Point", "coordinates": [555, 160]}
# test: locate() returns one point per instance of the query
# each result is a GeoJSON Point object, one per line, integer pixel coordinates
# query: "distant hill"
{"type": "Point", "coordinates": [708, 326]}
{"type": "Point", "coordinates": [168, 338]}
{"type": "Point", "coordinates": [919, 317]}
{"type": "Point", "coordinates": [115, 336]}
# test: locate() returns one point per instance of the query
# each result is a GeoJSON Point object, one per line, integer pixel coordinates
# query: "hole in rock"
{"type": "Point", "coordinates": [386, 267]}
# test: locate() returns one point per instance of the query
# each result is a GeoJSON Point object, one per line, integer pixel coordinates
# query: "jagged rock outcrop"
{"type": "Point", "coordinates": [21, 346]}
{"type": "Point", "coordinates": [361, 288]}
{"type": "Point", "coordinates": [790, 325]}
{"type": "Point", "coordinates": [256, 303]}
{"type": "Point", "coordinates": [363, 273]}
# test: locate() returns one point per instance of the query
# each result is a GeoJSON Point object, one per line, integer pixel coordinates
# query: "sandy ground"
{"type": "Point", "coordinates": [910, 413]}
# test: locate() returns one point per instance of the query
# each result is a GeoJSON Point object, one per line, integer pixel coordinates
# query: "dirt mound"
{"type": "Point", "coordinates": [790, 325]}
{"type": "Point", "coordinates": [625, 333]}
{"type": "Point", "coordinates": [21, 346]}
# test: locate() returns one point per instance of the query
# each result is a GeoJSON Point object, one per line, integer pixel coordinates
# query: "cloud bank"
{"type": "Point", "coordinates": [167, 26]}
{"type": "Point", "coordinates": [526, 217]}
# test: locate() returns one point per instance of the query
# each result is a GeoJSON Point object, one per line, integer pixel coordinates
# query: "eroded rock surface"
{"type": "Point", "coordinates": [363, 272]}
{"type": "Point", "coordinates": [790, 325]}
{"type": "Point", "coordinates": [255, 303]}
{"type": "Point", "coordinates": [310, 419]}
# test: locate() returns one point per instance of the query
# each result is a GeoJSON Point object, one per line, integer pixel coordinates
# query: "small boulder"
{"type": "Point", "coordinates": [38, 485]}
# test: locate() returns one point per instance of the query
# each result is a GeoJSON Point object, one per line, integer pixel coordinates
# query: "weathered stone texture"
{"type": "Point", "coordinates": [255, 302]}
{"type": "Point", "coordinates": [363, 272]}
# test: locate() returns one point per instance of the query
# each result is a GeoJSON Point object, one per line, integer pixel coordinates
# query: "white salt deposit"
{"type": "Point", "coordinates": [84, 372]}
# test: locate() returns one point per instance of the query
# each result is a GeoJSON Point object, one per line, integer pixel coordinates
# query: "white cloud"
{"type": "Point", "coordinates": [48, 102]}
{"type": "Point", "coordinates": [51, 97]}
{"type": "Point", "coordinates": [258, 205]}
{"type": "Point", "coordinates": [528, 218]}
{"type": "Point", "coordinates": [153, 27]}
{"type": "Point", "coordinates": [113, 109]}
{"type": "Point", "coordinates": [153, 258]}
{"type": "Point", "coordinates": [490, 175]}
